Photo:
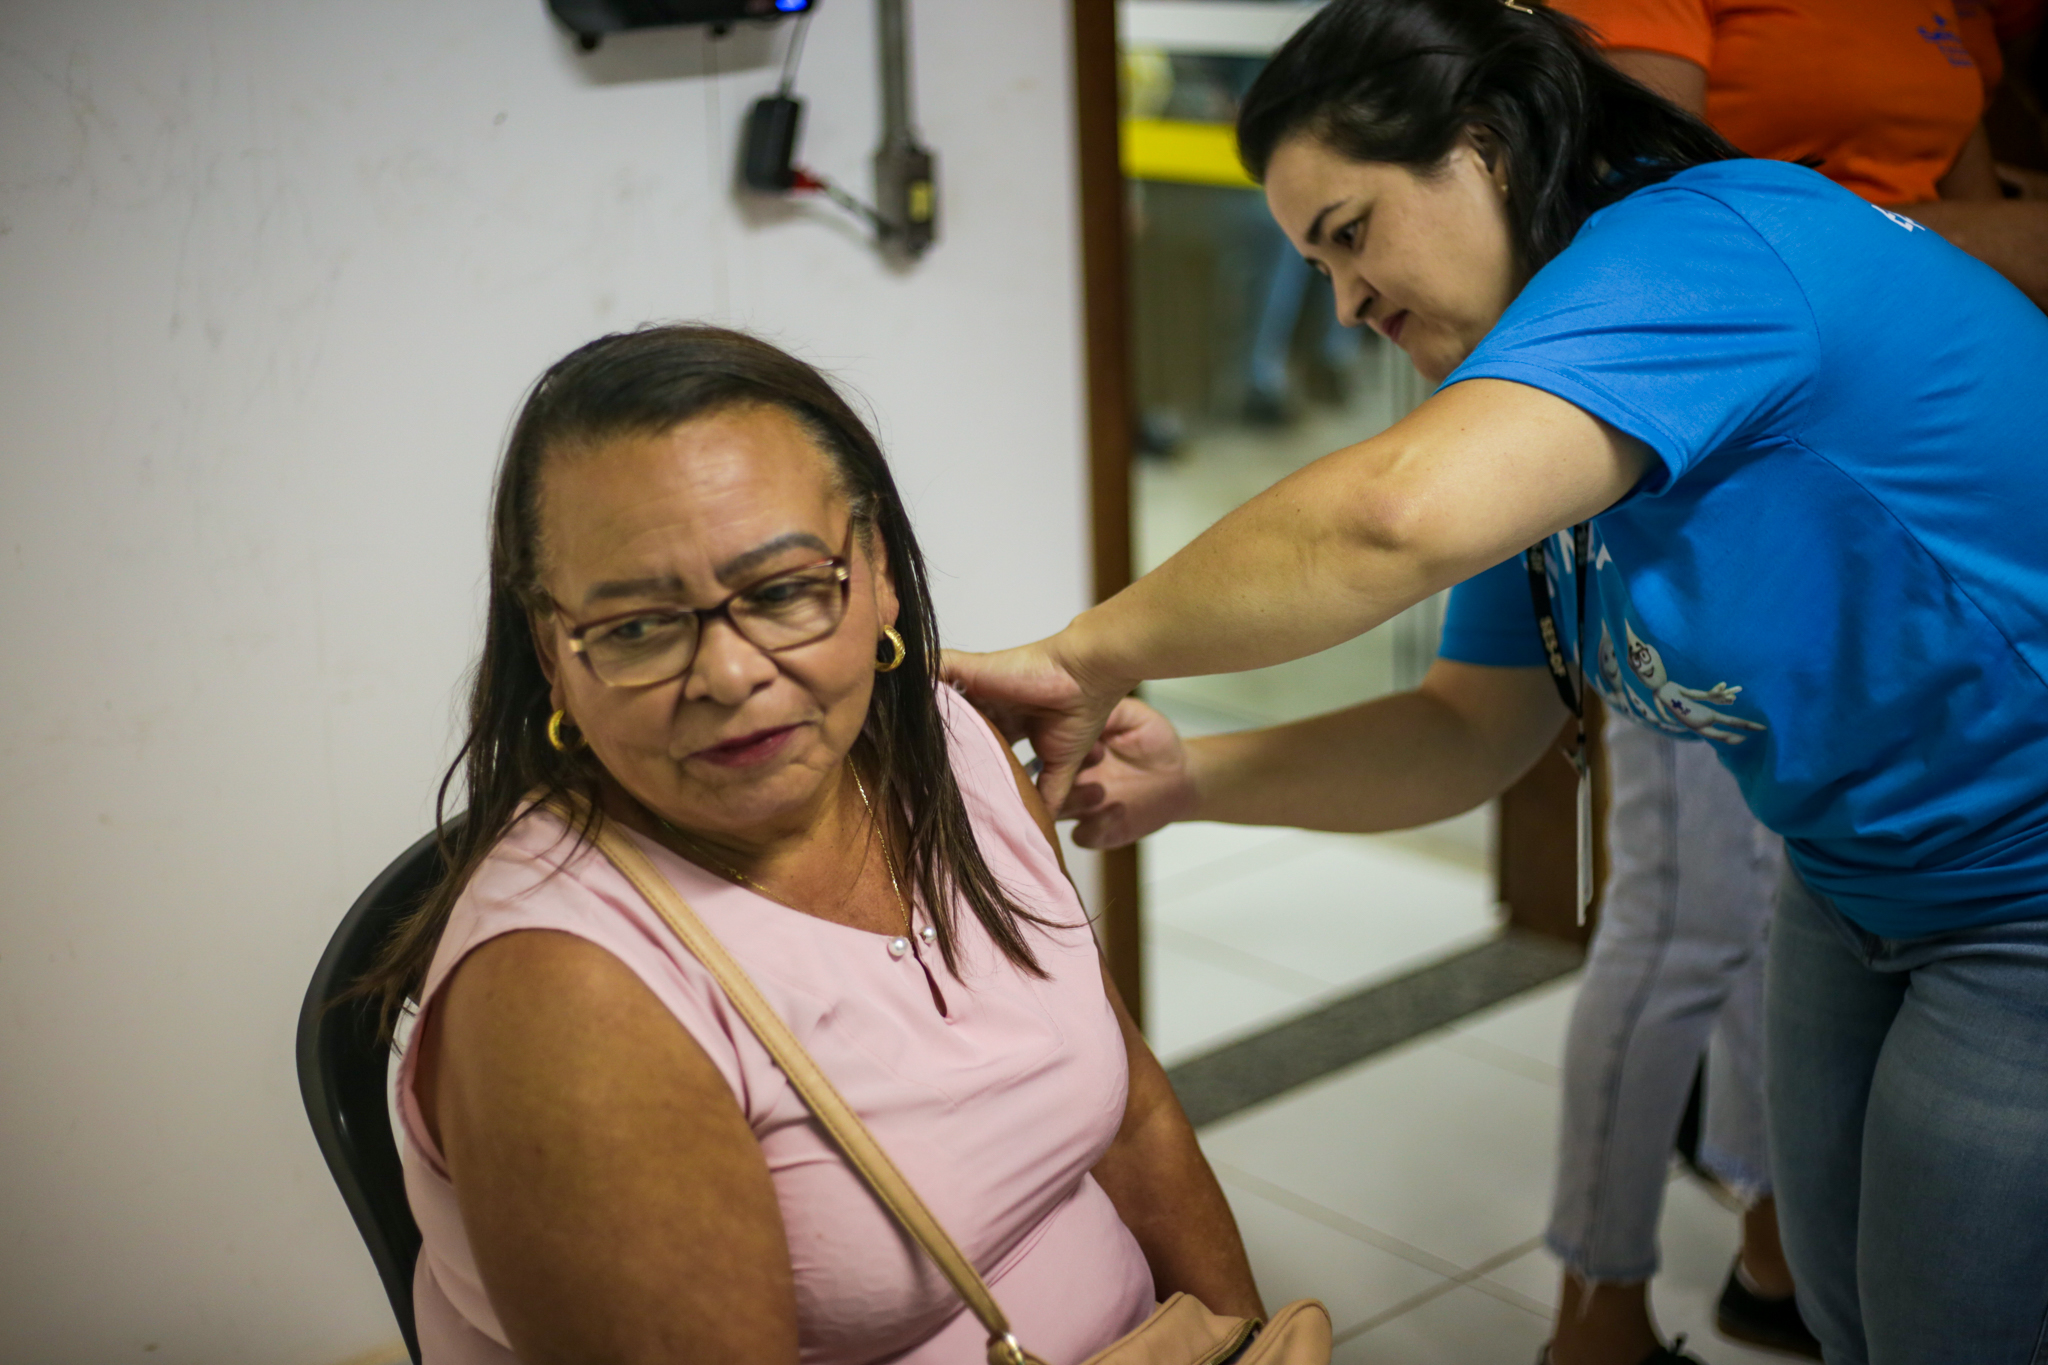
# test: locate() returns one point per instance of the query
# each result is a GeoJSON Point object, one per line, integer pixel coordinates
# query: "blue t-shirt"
{"type": "Point", "coordinates": [1836, 569]}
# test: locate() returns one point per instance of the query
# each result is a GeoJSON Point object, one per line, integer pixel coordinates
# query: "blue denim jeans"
{"type": "Point", "coordinates": [1676, 970]}
{"type": "Point", "coordinates": [1908, 1089]}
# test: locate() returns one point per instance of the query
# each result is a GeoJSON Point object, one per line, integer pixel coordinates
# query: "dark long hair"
{"type": "Point", "coordinates": [1399, 81]}
{"type": "Point", "coordinates": [644, 383]}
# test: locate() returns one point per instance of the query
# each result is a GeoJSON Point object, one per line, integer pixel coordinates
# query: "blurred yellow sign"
{"type": "Point", "coordinates": [1187, 153]}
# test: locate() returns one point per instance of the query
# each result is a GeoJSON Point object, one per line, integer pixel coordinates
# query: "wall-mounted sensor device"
{"type": "Point", "coordinates": [768, 148]}
{"type": "Point", "coordinates": [904, 214]}
{"type": "Point", "coordinates": [591, 20]}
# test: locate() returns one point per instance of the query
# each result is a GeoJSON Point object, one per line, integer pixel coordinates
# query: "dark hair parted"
{"type": "Point", "coordinates": [1400, 81]}
{"type": "Point", "coordinates": [644, 383]}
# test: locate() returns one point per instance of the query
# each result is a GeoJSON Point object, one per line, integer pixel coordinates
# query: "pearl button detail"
{"type": "Point", "coordinates": [929, 935]}
{"type": "Point", "coordinates": [899, 946]}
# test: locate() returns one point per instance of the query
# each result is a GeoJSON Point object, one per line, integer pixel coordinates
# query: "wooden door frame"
{"type": "Point", "coordinates": [1107, 365]}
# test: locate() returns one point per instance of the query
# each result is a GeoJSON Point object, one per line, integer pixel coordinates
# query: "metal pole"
{"type": "Point", "coordinates": [906, 192]}
{"type": "Point", "coordinates": [894, 28]}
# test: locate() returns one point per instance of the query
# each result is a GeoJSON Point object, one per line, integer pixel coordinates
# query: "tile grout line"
{"type": "Point", "coordinates": [1514, 1298]}
{"type": "Point", "coordinates": [1507, 1059]}
{"type": "Point", "coordinates": [1330, 1218]}
{"type": "Point", "coordinates": [1387, 1315]}
{"type": "Point", "coordinates": [1248, 965]}
{"type": "Point", "coordinates": [1470, 1278]}
{"type": "Point", "coordinates": [1264, 858]}
{"type": "Point", "coordinates": [1476, 1276]}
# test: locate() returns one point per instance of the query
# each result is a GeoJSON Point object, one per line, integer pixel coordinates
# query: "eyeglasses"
{"type": "Point", "coordinates": [656, 644]}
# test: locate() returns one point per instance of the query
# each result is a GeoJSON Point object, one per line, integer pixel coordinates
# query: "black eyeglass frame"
{"type": "Point", "coordinates": [842, 571]}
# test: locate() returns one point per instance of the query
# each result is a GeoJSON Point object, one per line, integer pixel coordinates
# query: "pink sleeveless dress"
{"type": "Point", "coordinates": [995, 1111]}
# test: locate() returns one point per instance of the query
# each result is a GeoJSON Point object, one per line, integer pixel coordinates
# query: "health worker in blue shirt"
{"type": "Point", "coordinates": [1807, 442]}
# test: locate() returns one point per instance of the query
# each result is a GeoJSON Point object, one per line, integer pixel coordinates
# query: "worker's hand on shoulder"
{"type": "Point", "coordinates": [1035, 692]}
{"type": "Point", "coordinates": [1135, 781]}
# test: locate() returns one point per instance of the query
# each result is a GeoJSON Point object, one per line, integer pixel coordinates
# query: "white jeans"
{"type": "Point", "coordinates": [1677, 960]}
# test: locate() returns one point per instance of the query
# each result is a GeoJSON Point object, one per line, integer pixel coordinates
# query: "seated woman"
{"type": "Point", "coordinates": [708, 616]}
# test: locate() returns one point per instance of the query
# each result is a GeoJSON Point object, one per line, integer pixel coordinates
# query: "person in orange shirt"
{"type": "Point", "coordinates": [1895, 114]}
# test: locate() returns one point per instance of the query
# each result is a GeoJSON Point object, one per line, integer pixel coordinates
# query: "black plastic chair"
{"type": "Point", "coordinates": [342, 1067]}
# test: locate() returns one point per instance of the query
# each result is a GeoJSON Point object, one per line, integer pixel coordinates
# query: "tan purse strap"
{"type": "Point", "coordinates": [834, 1113]}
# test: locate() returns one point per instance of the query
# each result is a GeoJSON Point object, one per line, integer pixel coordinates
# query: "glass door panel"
{"type": "Point", "coordinates": [1243, 376]}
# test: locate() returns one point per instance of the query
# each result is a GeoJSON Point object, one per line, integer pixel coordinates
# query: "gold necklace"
{"type": "Point", "coordinates": [732, 873]}
{"type": "Point", "coordinates": [882, 838]}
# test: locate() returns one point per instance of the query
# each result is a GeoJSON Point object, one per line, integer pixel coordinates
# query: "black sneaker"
{"type": "Point", "coordinates": [1754, 1320]}
{"type": "Point", "coordinates": [1663, 1355]}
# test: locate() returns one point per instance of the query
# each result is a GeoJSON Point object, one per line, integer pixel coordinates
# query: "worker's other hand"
{"type": "Point", "coordinates": [1135, 781]}
{"type": "Point", "coordinates": [1032, 692]}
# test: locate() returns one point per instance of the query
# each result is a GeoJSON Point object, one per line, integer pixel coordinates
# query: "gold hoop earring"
{"type": "Point", "coordinates": [895, 660]}
{"type": "Point", "coordinates": [555, 739]}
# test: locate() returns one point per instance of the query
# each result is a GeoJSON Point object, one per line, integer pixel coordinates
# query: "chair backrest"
{"type": "Point", "coordinates": [342, 1076]}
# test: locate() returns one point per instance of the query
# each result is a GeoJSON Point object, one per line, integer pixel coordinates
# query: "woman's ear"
{"type": "Point", "coordinates": [1482, 143]}
{"type": "Point", "coordinates": [1490, 154]}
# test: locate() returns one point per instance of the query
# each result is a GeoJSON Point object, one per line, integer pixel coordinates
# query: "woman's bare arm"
{"type": "Point", "coordinates": [1154, 1171]}
{"type": "Point", "coordinates": [1476, 474]}
{"type": "Point", "coordinates": [1479, 472]}
{"type": "Point", "coordinates": [1163, 1189]}
{"type": "Point", "coordinates": [1974, 176]}
{"type": "Point", "coordinates": [1392, 763]}
{"type": "Point", "coordinates": [1459, 739]}
{"type": "Point", "coordinates": [615, 1198]}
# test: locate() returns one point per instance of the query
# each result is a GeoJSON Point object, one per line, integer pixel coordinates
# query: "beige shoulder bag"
{"type": "Point", "coordinates": [1179, 1332]}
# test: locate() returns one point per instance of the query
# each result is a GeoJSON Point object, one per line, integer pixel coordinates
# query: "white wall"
{"type": "Point", "coordinates": [273, 274]}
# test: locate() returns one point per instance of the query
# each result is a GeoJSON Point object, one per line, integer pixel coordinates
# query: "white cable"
{"type": "Point", "coordinates": [795, 52]}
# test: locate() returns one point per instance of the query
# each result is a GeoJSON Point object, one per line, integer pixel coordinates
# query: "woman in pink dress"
{"type": "Point", "coordinates": [709, 618]}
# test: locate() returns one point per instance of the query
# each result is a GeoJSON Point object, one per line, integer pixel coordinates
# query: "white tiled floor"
{"type": "Point", "coordinates": [1246, 926]}
{"type": "Point", "coordinates": [1409, 1193]}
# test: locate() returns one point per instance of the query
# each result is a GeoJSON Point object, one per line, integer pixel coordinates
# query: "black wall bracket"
{"type": "Point", "coordinates": [591, 20]}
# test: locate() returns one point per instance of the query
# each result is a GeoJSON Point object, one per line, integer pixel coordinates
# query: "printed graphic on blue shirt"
{"type": "Point", "coordinates": [1634, 680]}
